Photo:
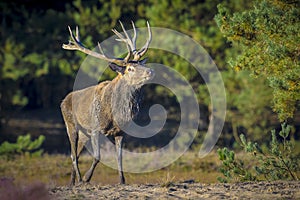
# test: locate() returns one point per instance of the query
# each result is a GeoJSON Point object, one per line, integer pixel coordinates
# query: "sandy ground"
{"type": "Point", "coordinates": [183, 190]}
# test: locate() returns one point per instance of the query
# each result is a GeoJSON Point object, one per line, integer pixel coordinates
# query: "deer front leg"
{"type": "Point", "coordinates": [118, 142]}
{"type": "Point", "coordinates": [96, 156]}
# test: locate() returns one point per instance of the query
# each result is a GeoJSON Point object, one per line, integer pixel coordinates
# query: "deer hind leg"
{"type": "Point", "coordinates": [73, 137]}
{"type": "Point", "coordinates": [118, 143]}
{"type": "Point", "coordinates": [82, 140]}
{"type": "Point", "coordinates": [96, 156]}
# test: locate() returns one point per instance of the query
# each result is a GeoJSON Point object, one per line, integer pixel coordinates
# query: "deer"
{"type": "Point", "coordinates": [108, 106]}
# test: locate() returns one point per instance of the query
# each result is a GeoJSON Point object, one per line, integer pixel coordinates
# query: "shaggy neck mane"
{"type": "Point", "coordinates": [125, 101]}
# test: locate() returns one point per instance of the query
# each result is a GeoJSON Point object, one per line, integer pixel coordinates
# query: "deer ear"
{"type": "Point", "coordinates": [117, 68]}
{"type": "Point", "coordinates": [142, 62]}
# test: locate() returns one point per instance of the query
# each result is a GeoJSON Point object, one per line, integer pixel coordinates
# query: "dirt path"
{"type": "Point", "coordinates": [184, 190]}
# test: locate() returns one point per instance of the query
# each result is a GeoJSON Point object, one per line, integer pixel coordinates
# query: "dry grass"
{"type": "Point", "coordinates": [54, 170]}
{"type": "Point", "coordinates": [47, 177]}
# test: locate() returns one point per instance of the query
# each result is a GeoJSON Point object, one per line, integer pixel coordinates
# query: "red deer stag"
{"type": "Point", "coordinates": [107, 107]}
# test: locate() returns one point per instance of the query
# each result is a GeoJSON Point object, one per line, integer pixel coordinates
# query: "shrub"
{"type": "Point", "coordinates": [23, 146]}
{"type": "Point", "coordinates": [277, 162]}
{"type": "Point", "coordinates": [233, 169]}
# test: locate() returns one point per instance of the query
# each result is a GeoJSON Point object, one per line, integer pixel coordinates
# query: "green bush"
{"type": "Point", "coordinates": [23, 146]}
{"type": "Point", "coordinates": [277, 162]}
{"type": "Point", "coordinates": [233, 169]}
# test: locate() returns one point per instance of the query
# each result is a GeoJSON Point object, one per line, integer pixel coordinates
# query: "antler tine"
{"type": "Point", "coordinates": [130, 44]}
{"type": "Point", "coordinates": [134, 37]}
{"type": "Point", "coordinates": [77, 34]}
{"type": "Point", "coordinates": [129, 53]}
{"type": "Point", "coordinates": [144, 49]}
{"type": "Point", "coordinates": [75, 44]}
{"type": "Point", "coordinates": [121, 38]}
{"type": "Point", "coordinates": [100, 49]}
{"type": "Point", "coordinates": [125, 32]}
{"type": "Point", "coordinates": [72, 42]}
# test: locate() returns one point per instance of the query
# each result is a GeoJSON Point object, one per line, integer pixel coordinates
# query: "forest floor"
{"type": "Point", "coordinates": [47, 178]}
{"type": "Point", "coordinates": [183, 190]}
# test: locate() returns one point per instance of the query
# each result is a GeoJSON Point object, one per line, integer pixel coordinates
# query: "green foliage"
{"type": "Point", "coordinates": [256, 115]}
{"type": "Point", "coordinates": [232, 169]}
{"type": "Point", "coordinates": [23, 146]}
{"type": "Point", "coordinates": [30, 51]}
{"type": "Point", "coordinates": [268, 35]}
{"type": "Point", "coordinates": [11, 54]}
{"type": "Point", "coordinates": [19, 99]}
{"type": "Point", "coordinates": [277, 162]}
{"type": "Point", "coordinates": [280, 162]}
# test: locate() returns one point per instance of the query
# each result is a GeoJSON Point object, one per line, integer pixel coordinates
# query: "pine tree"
{"type": "Point", "coordinates": [269, 38]}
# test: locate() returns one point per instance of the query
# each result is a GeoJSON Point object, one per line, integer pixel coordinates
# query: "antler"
{"type": "Point", "coordinates": [75, 44]}
{"type": "Point", "coordinates": [132, 42]}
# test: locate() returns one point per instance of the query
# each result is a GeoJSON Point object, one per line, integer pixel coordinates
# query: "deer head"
{"type": "Point", "coordinates": [131, 68]}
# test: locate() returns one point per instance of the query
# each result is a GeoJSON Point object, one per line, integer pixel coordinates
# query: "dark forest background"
{"type": "Point", "coordinates": [255, 48]}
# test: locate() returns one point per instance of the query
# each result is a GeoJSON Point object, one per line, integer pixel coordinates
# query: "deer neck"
{"type": "Point", "coordinates": [125, 101]}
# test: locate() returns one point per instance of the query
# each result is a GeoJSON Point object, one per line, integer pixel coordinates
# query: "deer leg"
{"type": "Point", "coordinates": [74, 157]}
{"type": "Point", "coordinates": [73, 138]}
{"type": "Point", "coordinates": [118, 142]}
{"type": "Point", "coordinates": [96, 156]}
{"type": "Point", "coordinates": [82, 140]}
{"type": "Point", "coordinates": [75, 169]}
